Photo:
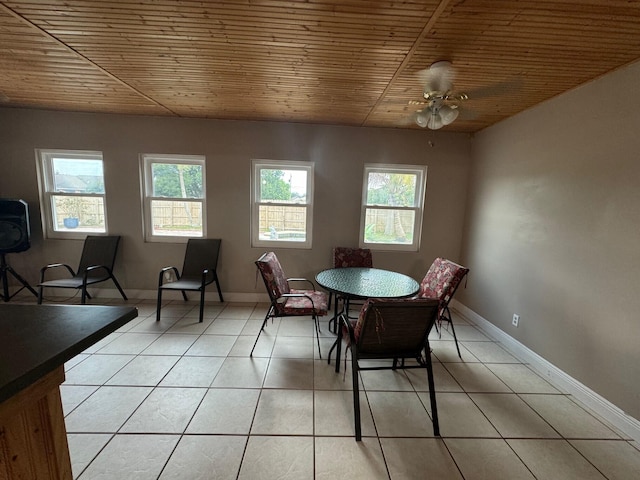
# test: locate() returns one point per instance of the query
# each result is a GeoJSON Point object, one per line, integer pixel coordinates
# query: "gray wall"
{"type": "Point", "coordinates": [339, 154]}
{"type": "Point", "coordinates": [552, 233]}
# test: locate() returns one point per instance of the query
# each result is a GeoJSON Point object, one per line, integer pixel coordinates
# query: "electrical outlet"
{"type": "Point", "coordinates": [167, 276]}
{"type": "Point", "coordinates": [516, 320]}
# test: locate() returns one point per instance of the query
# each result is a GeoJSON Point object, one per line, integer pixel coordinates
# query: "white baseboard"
{"type": "Point", "coordinates": [565, 383]}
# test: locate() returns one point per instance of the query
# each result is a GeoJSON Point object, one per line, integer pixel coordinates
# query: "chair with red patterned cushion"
{"type": "Point", "coordinates": [344, 257]}
{"type": "Point", "coordinates": [352, 257]}
{"type": "Point", "coordinates": [287, 301]}
{"type": "Point", "coordinates": [441, 282]}
{"type": "Point", "coordinates": [397, 330]}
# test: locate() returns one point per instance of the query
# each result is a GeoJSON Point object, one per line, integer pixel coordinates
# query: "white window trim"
{"type": "Point", "coordinates": [146, 187]}
{"type": "Point", "coordinates": [46, 185]}
{"type": "Point", "coordinates": [256, 166]}
{"type": "Point", "coordinates": [418, 208]}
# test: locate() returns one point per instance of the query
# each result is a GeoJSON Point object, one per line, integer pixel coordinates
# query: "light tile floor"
{"type": "Point", "coordinates": [183, 400]}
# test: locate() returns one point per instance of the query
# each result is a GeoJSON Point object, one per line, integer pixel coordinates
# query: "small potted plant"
{"type": "Point", "coordinates": [71, 208]}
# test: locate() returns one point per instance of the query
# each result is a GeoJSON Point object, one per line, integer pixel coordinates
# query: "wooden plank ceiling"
{"type": "Point", "coordinates": [346, 62]}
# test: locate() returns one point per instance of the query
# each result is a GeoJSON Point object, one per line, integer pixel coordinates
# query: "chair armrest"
{"type": "Point", "coordinates": [205, 272]}
{"type": "Point", "coordinates": [91, 268]}
{"type": "Point", "coordinates": [55, 265]}
{"type": "Point", "coordinates": [167, 269]}
{"type": "Point", "coordinates": [349, 326]}
{"type": "Point", "coordinates": [302, 280]}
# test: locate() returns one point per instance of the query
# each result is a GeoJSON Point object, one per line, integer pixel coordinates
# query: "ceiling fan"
{"type": "Point", "coordinates": [441, 102]}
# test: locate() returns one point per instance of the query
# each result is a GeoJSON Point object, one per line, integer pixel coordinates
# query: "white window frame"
{"type": "Point", "coordinates": [146, 178]}
{"type": "Point", "coordinates": [421, 186]}
{"type": "Point", "coordinates": [257, 166]}
{"type": "Point", "coordinates": [46, 187]}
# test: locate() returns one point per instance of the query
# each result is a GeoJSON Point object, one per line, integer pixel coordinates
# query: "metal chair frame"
{"type": "Point", "coordinates": [278, 306]}
{"type": "Point", "coordinates": [199, 270]}
{"type": "Point", "coordinates": [396, 330]}
{"type": "Point", "coordinates": [451, 285]}
{"type": "Point", "coordinates": [96, 265]}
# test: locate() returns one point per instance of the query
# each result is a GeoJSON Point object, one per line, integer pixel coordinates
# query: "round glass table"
{"type": "Point", "coordinates": [360, 283]}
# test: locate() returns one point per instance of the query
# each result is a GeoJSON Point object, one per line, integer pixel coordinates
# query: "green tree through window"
{"type": "Point", "coordinates": [282, 203]}
{"type": "Point", "coordinates": [391, 189]}
{"type": "Point", "coordinates": [174, 196]}
{"type": "Point", "coordinates": [177, 181]}
{"type": "Point", "coordinates": [273, 186]}
{"type": "Point", "coordinates": [392, 206]}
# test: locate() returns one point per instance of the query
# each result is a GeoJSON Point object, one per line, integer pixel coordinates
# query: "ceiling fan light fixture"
{"type": "Point", "coordinates": [421, 118]}
{"type": "Point", "coordinates": [435, 121]}
{"type": "Point", "coordinates": [448, 114]}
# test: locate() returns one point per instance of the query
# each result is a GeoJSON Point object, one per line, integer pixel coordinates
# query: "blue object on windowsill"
{"type": "Point", "coordinates": [71, 222]}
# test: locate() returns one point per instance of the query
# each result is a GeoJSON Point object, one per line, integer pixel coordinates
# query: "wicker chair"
{"type": "Point", "coordinates": [391, 329]}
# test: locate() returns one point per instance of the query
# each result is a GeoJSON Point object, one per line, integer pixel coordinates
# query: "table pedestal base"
{"type": "Point", "coordinates": [33, 438]}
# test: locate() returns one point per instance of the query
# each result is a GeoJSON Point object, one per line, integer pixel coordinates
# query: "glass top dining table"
{"type": "Point", "coordinates": [357, 282]}
{"type": "Point", "coordinates": [361, 283]}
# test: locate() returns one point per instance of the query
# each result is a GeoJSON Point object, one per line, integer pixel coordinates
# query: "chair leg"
{"type": "Point", "coordinates": [333, 320]}
{"type": "Point", "coordinates": [218, 287]}
{"type": "Point", "coordinates": [446, 316]}
{"type": "Point", "coordinates": [338, 346]}
{"type": "Point", "coordinates": [356, 395]}
{"type": "Point", "coordinates": [201, 304]}
{"type": "Point", "coordinates": [344, 315]}
{"type": "Point", "coordinates": [84, 295]}
{"type": "Point", "coordinates": [432, 391]}
{"type": "Point", "coordinates": [453, 330]}
{"type": "Point", "coordinates": [40, 294]}
{"type": "Point", "coordinates": [124, 297]}
{"type": "Point", "coordinates": [317, 323]}
{"type": "Point", "coordinates": [264, 323]}
{"type": "Point", "coordinates": [159, 305]}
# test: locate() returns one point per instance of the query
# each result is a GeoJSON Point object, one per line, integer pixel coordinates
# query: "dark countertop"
{"type": "Point", "coordinates": [36, 339]}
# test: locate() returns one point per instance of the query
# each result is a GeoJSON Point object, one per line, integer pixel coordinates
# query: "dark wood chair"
{"type": "Point", "coordinates": [96, 265]}
{"type": "Point", "coordinates": [287, 301]}
{"type": "Point", "coordinates": [391, 329]}
{"type": "Point", "coordinates": [198, 271]}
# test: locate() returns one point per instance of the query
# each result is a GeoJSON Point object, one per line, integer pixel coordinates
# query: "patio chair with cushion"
{"type": "Point", "coordinates": [287, 301]}
{"type": "Point", "coordinates": [395, 329]}
{"type": "Point", "coordinates": [441, 282]}
{"type": "Point", "coordinates": [344, 257]}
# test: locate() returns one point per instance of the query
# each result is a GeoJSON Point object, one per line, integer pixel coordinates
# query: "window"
{"type": "Point", "coordinates": [282, 205]}
{"type": "Point", "coordinates": [72, 193]}
{"type": "Point", "coordinates": [174, 206]}
{"type": "Point", "coordinates": [392, 202]}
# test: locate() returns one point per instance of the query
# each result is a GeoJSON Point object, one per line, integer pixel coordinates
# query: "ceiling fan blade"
{"type": "Point", "coordinates": [500, 88]}
{"type": "Point", "coordinates": [468, 114]}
